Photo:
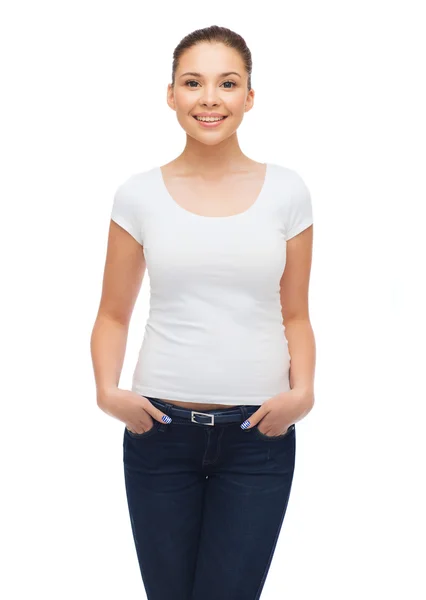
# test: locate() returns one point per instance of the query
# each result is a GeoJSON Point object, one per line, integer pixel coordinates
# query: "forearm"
{"type": "Point", "coordinates": [302, 349]}
{"type": "Point", "coordinates": [108, 348]}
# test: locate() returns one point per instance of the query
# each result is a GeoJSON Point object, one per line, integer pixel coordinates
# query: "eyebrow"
{"type": "Point", "coordinates": [220, 75]}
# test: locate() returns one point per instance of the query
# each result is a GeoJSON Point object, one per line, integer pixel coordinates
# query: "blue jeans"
{"type": "Point", "coordinates": [206, 503]}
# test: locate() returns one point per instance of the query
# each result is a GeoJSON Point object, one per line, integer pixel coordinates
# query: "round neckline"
{"type": "Point", "coordinates": [181, 209]}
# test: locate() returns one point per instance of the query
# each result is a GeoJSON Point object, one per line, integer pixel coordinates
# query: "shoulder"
{"type": "Point", "coordinates": [294, 199]}
{"type": "Point", "coordinates": [137, 183]}
{"type": "Point", "coordinates": [130, 202]}
{"type": "Point", "coordinates": [134, 192]}
{"type": "Point", "coordinates": [288, 179]}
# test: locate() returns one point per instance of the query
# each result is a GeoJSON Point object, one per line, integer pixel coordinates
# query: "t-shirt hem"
{"type": "Point", "coordinates": [301, 227]}
{"type": "Point", "coordinates": [159, 393]}
{"type": "Point", "coordinates": [126, 225]}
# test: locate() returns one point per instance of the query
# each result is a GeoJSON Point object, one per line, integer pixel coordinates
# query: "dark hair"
{"type": "Point", "coordinates": [214, 34]}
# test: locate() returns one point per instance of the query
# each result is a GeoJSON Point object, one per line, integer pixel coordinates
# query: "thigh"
{"type": "Point", "coordinates": [165, 491]}
{"type": "Point", "coordinates": [246, 498]}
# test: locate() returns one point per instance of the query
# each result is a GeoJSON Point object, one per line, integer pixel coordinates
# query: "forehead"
{"type": "Point", "coordinates": [210, 58]}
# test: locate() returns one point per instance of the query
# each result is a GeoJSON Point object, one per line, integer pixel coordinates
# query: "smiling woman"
{"type": "Point", "coordinates": [213, 228]}
{"type": "Point", "coordinates": [200, 87]}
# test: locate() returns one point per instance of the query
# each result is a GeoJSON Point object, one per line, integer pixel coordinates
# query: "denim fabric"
{"type": "Point", "coordinates": [206, 504]}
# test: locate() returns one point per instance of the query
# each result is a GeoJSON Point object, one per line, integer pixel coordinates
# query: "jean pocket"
{"type": "Point", "coordinates": [146, 433]}
{"type": "Point", "coordinates": [273, 438]}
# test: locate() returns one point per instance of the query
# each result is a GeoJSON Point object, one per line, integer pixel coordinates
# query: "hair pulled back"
{"type": "Point", "coordinates": [214, 34]}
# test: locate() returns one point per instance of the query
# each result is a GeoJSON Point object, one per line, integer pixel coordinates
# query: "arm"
{"type": "Point", "coordinates": [294, 291]}
{"type": "Point", "coordinates": [123, 275]}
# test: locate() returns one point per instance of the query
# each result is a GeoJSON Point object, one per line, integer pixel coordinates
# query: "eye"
{"type": "Point", "coordinates": [233, 83]}
{"type": "Point", "coordinates": [193, 81]}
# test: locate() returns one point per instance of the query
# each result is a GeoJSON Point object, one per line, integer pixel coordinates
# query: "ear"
{"type": "Point", "coordinates": [249, 100]}
{"type": "Point", "coordinates": [170, 97]}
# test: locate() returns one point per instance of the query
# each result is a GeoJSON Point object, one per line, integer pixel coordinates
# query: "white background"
{"type": "Point", "coordinates": [340, 98]}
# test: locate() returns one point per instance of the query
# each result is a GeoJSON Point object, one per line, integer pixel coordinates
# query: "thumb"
{"type": "Point", "coordinates": [156, 413]}
{"type": "Point", "coordinates": [254, 418]}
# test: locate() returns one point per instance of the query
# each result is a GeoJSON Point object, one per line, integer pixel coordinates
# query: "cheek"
{"type": "Point", "coordinates": [236, 104]}
{"type": "Point", "coordinates": [183, 101]}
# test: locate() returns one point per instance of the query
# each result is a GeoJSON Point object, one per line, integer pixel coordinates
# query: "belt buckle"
{"type": "Point", "coordinates": [193, 413]}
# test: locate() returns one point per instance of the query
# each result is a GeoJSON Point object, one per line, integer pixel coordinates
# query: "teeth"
{"type": "Point", "coordinates": [209, 118]}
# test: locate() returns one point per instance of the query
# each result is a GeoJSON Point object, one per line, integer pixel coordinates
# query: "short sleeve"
{"type": "Point", "coordinates": [126, 208]}
{"type": "Point", "coordinates": [299, 215]}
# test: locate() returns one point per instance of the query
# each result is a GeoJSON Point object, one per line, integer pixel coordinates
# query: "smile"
{"type": "Point", "coordinates": [211, 123]}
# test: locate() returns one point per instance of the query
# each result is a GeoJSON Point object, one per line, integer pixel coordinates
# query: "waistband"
{"type": "Point", "coordinates": [236, 414]}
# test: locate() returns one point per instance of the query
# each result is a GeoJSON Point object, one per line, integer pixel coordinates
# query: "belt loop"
{"type": "Point", "coordinates": [244, 412]}
{"type": "Point", "coordinates": [167, 408]}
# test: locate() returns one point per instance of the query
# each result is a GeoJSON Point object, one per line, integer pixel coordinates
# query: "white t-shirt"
{"type": "Point", "coordinates": [215, 332]}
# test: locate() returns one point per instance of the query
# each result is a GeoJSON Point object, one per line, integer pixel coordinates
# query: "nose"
{"type": "Point", "coordinates": [209, 97]}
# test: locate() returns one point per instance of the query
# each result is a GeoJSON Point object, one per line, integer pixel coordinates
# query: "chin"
{"type": "Point", "coordinates": [209, 142]}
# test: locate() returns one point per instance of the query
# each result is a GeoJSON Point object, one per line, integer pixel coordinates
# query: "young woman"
{"type": "Point", "coordinates": [209, 437]}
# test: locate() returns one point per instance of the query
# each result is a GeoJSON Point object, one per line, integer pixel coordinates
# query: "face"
{"type": "Point", "coordinates": [210, 92]}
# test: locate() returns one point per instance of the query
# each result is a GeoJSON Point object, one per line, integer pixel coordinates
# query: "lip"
{"type": "Point", "coordinates": [206, 114]}
{"type": "Point", "coordinates": [212, 123]}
